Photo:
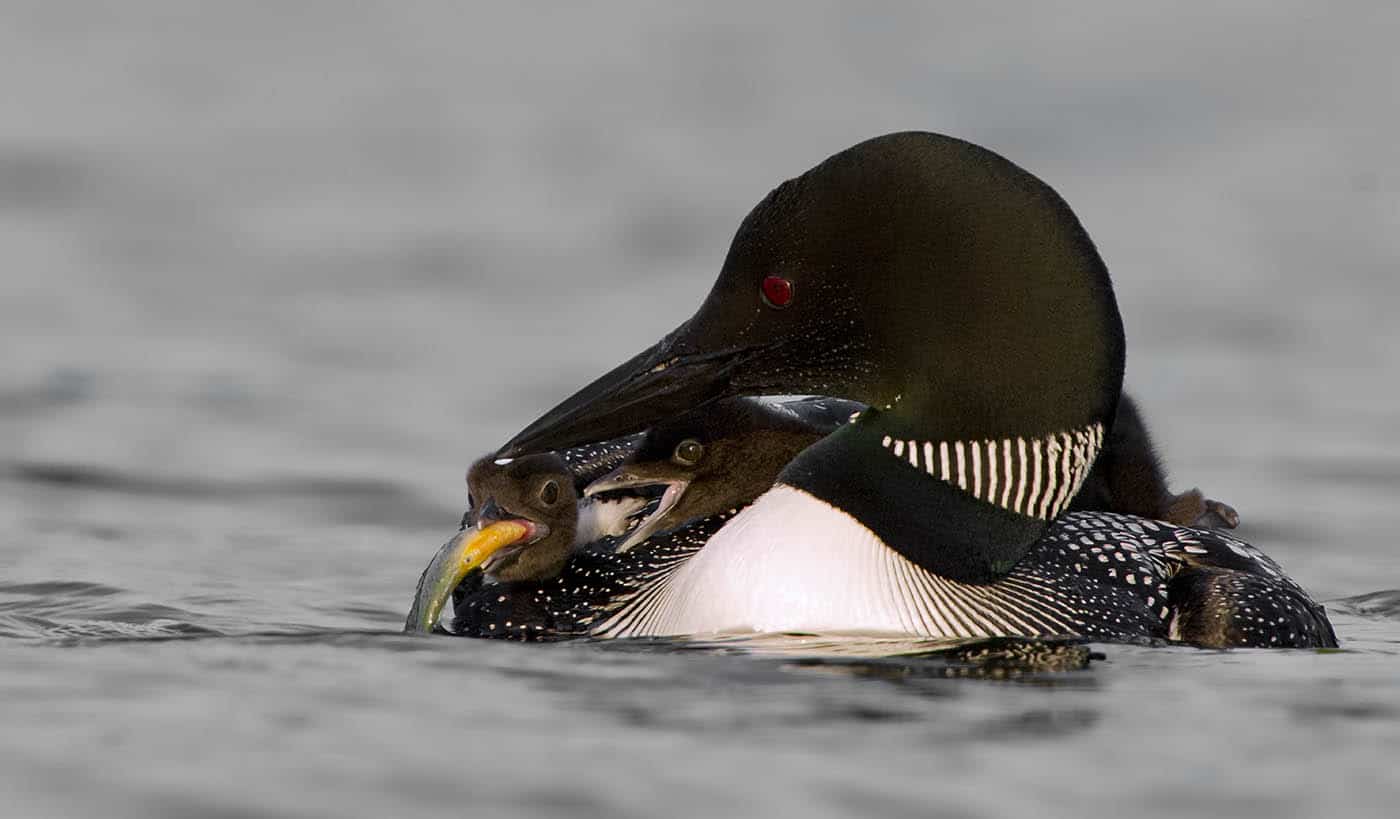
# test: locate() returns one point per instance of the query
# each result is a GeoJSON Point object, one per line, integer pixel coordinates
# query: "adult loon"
{"type": "Point", "coordinates": [958, 296]}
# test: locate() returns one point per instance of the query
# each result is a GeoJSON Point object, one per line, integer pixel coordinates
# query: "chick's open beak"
{"type": "Point", "coordinates": [470, 549]}
{"type": "Point", "coordinates": [625, 477]}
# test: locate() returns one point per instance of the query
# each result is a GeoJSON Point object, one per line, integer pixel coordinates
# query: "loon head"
{"type": "Point", "coordinates": [932, 279]}
{"type": "Point", "coordinates": [913, 271]}
{"type": "Point", "coordinates": [719, 457]}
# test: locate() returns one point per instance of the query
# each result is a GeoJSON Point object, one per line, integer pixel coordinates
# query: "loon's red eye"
{"type": "Point", "coordinates": [777, 291]}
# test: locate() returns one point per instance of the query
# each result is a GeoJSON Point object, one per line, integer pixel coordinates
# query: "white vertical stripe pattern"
{"type": "Point", "coordinates": [1031, 507]}
{"type": "Point", "coordinates": [1037, 477]}
{"type": "Point", "coordinates": [1021, 481]}
{"type": "Point", "coordinates": [1052, 475]}
{"type": "Point", "coordinates": [1006, 465]}
{"type": "Point", "coordinates": [992, 471]}
{"type": "Point", "coordinates": [1066, 470]}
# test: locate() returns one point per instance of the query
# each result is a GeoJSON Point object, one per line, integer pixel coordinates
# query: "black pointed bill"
{"type": "Point", "coordinates": [658, 383]}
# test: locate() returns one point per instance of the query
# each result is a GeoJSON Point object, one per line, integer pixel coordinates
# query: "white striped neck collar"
{"type": "Point", "coordinates": [1032, 476]}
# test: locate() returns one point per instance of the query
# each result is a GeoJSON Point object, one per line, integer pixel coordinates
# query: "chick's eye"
{"type": "Point", "coordinates": [777, 291]}
{"type": "Point", "coordinates": [549, 492]}
{"type": "Point", "coordinates": [688, 452]}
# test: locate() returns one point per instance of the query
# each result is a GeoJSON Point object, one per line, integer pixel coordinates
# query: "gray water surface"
{"type": "Point", "coordinates": [274, 275]}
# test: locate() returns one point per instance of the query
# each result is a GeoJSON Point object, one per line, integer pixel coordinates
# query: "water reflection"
{"type": "Point", "coordinates": [1375, 604]}
{"type": "Point", "coordinates": [1006, 659]}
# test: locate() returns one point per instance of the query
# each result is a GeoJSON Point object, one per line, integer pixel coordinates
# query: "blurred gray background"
{"type": "Point", "coordinates": [273, 274]}
{"type": "Point", "coordinates": [372, 240]}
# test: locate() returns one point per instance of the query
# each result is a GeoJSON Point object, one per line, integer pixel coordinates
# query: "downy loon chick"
{"type": "Point", "coordinates": [524, 521]}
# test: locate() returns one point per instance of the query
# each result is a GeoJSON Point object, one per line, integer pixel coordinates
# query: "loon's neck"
{"type": "Point", "coordinates": [966, 510]}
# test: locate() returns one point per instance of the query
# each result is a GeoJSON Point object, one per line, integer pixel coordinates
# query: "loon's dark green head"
{"type": "Point", "coordinates": [719, 457]}
{"type": "Point", "coordinates": [934, 280]}
{"type": "Point", "coordinates": [913, 271]}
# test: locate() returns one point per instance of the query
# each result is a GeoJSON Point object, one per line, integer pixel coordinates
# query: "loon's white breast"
{"type": "Point", "coordinates": [794, 563]}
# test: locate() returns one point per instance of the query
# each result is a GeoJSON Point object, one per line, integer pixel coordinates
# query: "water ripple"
{"type": "Point", "coordinates": [1385, 603]}
{"type": "Point", "coordinates": [63, 611]}
{"type": "Point", "coordinates": [355, 499]}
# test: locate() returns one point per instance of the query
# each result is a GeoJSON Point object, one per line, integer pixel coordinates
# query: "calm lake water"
{"type": "Point", "coordinates": [273, 278]}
